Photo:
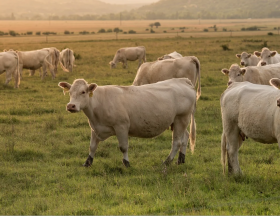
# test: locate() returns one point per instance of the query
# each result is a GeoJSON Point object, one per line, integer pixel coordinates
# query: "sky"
{"type": "Point", "coordinates": [129, 1]}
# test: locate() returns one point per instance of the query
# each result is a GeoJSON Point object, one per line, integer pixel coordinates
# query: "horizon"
{"type": "Point", "coordinates": [129, 1]}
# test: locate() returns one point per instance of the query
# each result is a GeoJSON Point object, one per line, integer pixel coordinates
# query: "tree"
{"type": "Point", "coordinates": [117, 30]}
{"type": "Point", "coordinates": [157, 24]}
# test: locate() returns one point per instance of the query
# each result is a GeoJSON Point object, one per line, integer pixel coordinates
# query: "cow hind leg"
{"type": "Point", "coordinates": [8, 77]}
{"type": "Point", "coordinates": [183, 148]}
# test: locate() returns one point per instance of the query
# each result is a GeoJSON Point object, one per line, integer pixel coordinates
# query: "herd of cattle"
{"type": "Point", "coordinates": [12, 62]}
{"type": "Point", "coordinates": [163, 95]}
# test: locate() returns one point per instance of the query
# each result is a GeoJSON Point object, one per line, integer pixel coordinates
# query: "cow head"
{"type": "Point", "coordinates": [244, 58]}
{"type": "Point", "coordinates": [80, 92]}
{"type": "Point", "coordinates": [275, 82]}
{"type": "Point", "coordinates": [234, 74]}
{"type": "Point", "coordinates": [266, 56]}
{"type": "Point", "coordinates": [112, 64]}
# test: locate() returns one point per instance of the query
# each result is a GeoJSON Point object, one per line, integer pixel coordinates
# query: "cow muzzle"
{"type": "Point", "coordinates": [71, 108]}
{"type": "Point", "coordinates": [242, 63]}
{"type": "Point", "coordinates": [278, 102]}
{"type": "Point", "coordinates": [263, 63]}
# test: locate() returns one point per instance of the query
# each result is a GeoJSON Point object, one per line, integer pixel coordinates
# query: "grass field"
{"type": "Point", "coordinates": [43, 147]}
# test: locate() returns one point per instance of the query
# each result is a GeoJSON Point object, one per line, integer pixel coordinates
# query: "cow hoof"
{"type": "Point", "coordinates": [181, 158]}
{"type": "Point", "coordinates": [88, 161]}
{"type": "Point", "coordinates": [126, 163]}
{"type": "Point", "coordinates": [167, 162]}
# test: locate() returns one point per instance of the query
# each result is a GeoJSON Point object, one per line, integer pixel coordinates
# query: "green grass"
{"type": "Point", "coordinates": [43, 147]}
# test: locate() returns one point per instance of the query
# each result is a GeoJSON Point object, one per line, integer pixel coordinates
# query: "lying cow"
{"type": "Point", "coordinates": [247, 59]}
{"type": "Point", "coordinates": [129, 54]}
{"type": "Point", "coordinates": [173, 55]}
{"type": "Point", "coordinates": [267, 57]}
{"type": "Point", "coordinates": [9, 63]}
{"type": "Point", "coordinates": [36, 59]}
{"type": "Point", "coordinates": [67, 59]}
{"type": "Point", "coordinates": [251, 110]}
{"type": "Point", "coordinates": [138, 111]}
{"type": "Point", "coordinates": [152, 72]}
{"type": "Point", "coordinates": [254, 74]}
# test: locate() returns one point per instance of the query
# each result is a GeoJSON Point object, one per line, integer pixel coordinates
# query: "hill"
{"type": "Point", "coordinates": [211, 9]}
{"type": "Point", "coordinates": [42, 9]}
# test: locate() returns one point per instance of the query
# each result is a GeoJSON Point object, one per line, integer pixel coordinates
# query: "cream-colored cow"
{"type": "Point", "coordinates": [129, 54]}
{"type": "Point", "coordinates": [152, 72]}
{"type": "Point", "coordinates": [67, 59]}
{"type": "Point", "coordinates": [247, 59]}
{"type": "Point", "coordinates": [249, 110]}
{"type": "Point", "coordinates": [173, 55]}
{"type": "Point", "coordinates": [254, 74]}
{"type": "Point", "coordinates": [267, 57]}
{"type": "Point", "coordinates": [139, 111]}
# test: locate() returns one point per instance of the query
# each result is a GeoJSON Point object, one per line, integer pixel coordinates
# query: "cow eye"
{"type": "Point", "coordinates": [269, 56]}
{"type": "Point", "coordinates": [238, 74]}
{"type": "Point", "coordinates": [83, 92]}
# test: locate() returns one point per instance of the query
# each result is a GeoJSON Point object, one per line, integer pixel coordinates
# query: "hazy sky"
{"type": "Point", "coordinates": [129, 1]}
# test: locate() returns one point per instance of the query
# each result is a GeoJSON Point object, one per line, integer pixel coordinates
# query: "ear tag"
{"type": "Point", "coordinates": [65, 89]}
{"type": "Point", "coordinates": [90, 94]}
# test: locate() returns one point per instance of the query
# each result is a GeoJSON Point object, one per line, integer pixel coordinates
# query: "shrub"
{"type": "Point", "coordinates": [152, 31]}
{"type": "Point", "coordinates": [93, 32]}
{"type": "Point", "coordinates": [77, 56]}
{"type": "Point", "coordinates": [101, 30]}
{"type": "Point", "coordinates": [164, 31]}
{"type": "Point", "coordinates": [252, 28]}
{"type": "Point", "coordinates": [66, 32]}
{"type": "Point", "coordinates": [205, 30]}
{"type": "Point", "coordinates": [12, 33]}
{"type": "Point", "coordinates": [125, 32]}
{"type": "Point", "coordinates": [2, 33]}
{"type": "Point", "coordinates": [147, 29]}
{"type": "Point", "coordinates": [131, 32]}
{"type": "Point", "coordinates": [225, 47]}
{"type": "Point", "coordinates": [183, 30]}
{"type": "Point", "coordinates": [84, 32]}
{"type": "Point", "coordinates": [225, 29]}
{"type": "Point", "coordinates": [38, 33]}
{"type": "Point", "coordinates": [29, 33]}
{"type": "Point", "coordinates": [49, 33]}
{"type": "Point", "coordinates": [269, 33]}
{"type": "Point", "coordinates": [109, 30]}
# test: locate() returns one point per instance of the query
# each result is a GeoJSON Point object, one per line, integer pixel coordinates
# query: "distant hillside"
{"type": "Point", "coordinates": [42, 9]}
{"type": "Point", "coordinates": [208, 9]}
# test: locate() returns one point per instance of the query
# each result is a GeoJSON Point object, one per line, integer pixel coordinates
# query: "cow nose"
{"type": "Point", "coordinates": [278, 102]}
{"type": "Point", "coordinates": [71, 107]}
{"type": "Point", "coordinates": [263, 63]}
{"type": "Point", "coordinates": [242, 63]}
{"type": "Point", "coordinates": [229, 83]}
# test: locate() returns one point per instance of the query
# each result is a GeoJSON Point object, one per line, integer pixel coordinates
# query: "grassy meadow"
{"type": "Point", "coordinates": [43, 147]}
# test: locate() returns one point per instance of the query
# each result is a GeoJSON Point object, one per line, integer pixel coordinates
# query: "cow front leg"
{"type": "Point", "coordinates": [122, 135]}
{"type": "Point", "coordinates": [44, 72]}
{"type": "Point", "coordinates": [92, 148]}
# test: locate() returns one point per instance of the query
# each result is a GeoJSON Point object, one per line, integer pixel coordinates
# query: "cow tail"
{"type": "Point", "coordinates": [68, 58]}
{"type": "Point", "coordinates": [197, 64]}
{"type": "Point", "coordinates": [223, 152]}
{"type": "Point", "coordinates": [46, 60]}
{"type": "Point", "coordinates": [17, 74]}
{"type": "Point", "coordinates": [193, 130]}
{"type": "Point", "coordinates": [63, 68]}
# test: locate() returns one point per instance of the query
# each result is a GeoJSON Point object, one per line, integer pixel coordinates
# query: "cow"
{"type": "Point", "coordinates": [129, 54]}
{"type": "Point", "coordinates": [248, 109]}
{"type": "Point", "coordinates": [173, 55]}
{"type": "Point", "coordinates": [66, 59]}
{"type": "Point", "coordinates": [36, 59]}
{"type": "Point", "coordinates": [247, 59]}
{"type": "Point", "coordinates": [138, 111]}
{"type": "Point", "coordinates": [254, 74]}
{"type": "Point", "coordinates": [9, 63]}
{"type": "Point", "coordinates": [152, 72]}
{"type": "Point", "coordinates": [267, 57]}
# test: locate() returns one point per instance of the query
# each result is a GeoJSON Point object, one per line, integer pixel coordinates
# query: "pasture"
{"type": "Point", "coordinates": [43, 147]}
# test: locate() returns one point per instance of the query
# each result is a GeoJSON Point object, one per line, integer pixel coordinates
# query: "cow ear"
{"type": "Point", "coordinates": [273, 53]}
{"type": "Point", "coordinates": [66, 86]}
{"type": "Point", "coordinates": [225, 71]}
{"type": "Point", "coordinates": [249, 55]}
{"type": "Point", "coordinates": [243, 71]}
{"type": "Point", "coordinates": [238, 55]}
{"type": "Point", "coordinates": [275, 82]}
{"type": "Point", "coordinates": [257, 53]}
{"type": "Point", "coordinates": [91, 88]}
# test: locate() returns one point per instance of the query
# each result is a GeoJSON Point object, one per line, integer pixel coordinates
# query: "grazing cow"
{"type": "Point", "coordinates": [173, 55]}
{"type": "Point", "coordinates": [247, 59]}
{"type": "Point", "coordinates": [66, 59]}
{"type": "Point", "coordinates": [267, 57]}
{"type": "Point", "coordinates": [129, 54]}
{"type": "Point", "coordinates": [152, 72]}
{"type": "Point", "coordinates": [254, 74]}
{"type": "Point", "coordinates": [9, 63]}
{"type": "Point", "coordinates": [35, 59]}
{"type": "Point", "coordinates": [139, 111]}
{"type": "Point", "coordinates": [251, 110]}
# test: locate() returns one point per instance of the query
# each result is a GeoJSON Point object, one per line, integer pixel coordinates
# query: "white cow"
{"type": "Point", "coordinates": [267, 57]}
{"type": "Point", "coordinates": [247, 59]}
{"type": "Point", "coordinates": [9, 63]}
{"type": "Point", "coordinates": [139, 111]}
{"type": "Point", "coordinates": [173, 55]}
{"type": "Point", "coordinates": [67, 59]}
{"type": "Point", "coordinates": [254, 74]}
{"type": "Point", "coordinates": [248, 110]}
{"type": "Point", "coordinates": [36, 59]}
{"type": "Point", "coordinates": [152, 72]}
{"type": "Point", "coordinates": [129, 54]}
